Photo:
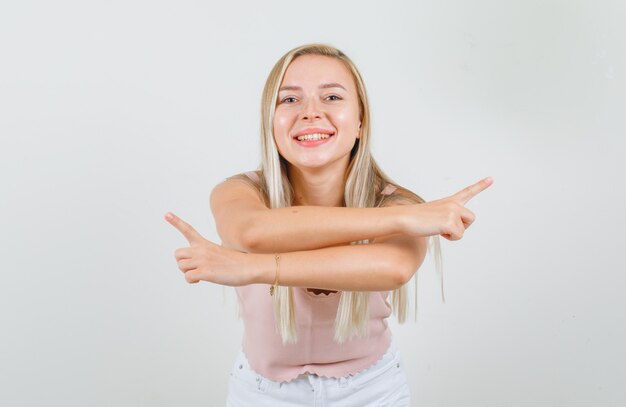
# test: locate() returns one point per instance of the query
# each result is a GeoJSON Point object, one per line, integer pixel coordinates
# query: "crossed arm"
{"type": "Point", "coordinates": [314, 242]}
{"type": "Point", "coordinates": [377, 266]}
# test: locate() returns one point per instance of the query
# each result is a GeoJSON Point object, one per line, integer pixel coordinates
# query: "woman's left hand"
{"type": "Point", "coordinates": [204, 260]}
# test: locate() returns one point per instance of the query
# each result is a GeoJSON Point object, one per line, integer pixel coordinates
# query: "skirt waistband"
{"type": "Point", "coordinates": [389, 360]}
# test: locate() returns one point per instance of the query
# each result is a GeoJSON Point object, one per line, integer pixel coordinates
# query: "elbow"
{"type": "Point", "coordinates": [407, 260]}
{"type": "Point", "coordinates": [256, 237]}
{"type": "Point", "coordinates": [405, 273]}
{"type": "Point", "coordinates": [250, 235]}
{"type": "Point", "coordinates": [241, 239]}
{"type": "Point", "coordinates": [249, 238]}
{"type": "Point", "coordinates": [410, 266]}
{"type": "Point", "coordinates": [400, 269]}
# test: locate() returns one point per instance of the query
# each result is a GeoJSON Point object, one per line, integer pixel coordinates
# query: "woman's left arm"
{"type": "Point", "coordinates": [386, 263]}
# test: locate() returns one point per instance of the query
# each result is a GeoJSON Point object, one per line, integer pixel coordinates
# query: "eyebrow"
{"type": "Point", "coordinates": [322, 86]}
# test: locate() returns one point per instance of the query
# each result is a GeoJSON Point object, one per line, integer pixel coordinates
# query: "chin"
{"type": "Point", "coordinates": [311, 166]}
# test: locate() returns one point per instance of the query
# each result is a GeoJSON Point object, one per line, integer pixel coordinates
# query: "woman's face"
{"type": "Point", "coordinates": [318, 97]}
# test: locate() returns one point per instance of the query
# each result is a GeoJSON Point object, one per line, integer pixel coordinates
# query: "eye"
{"type": "Point", "coordinates": [288, 99]}
{"type": "Point", "coordinates": [334, 97]}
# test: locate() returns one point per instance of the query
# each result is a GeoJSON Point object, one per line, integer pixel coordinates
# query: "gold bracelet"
{"type": "Point", "coordinates": [274, 287]}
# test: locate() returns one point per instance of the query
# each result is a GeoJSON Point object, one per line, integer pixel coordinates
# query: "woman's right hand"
{"type": "Point", "coordinates": [447, 217]}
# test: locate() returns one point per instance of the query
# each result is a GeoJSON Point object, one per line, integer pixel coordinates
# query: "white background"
{"type": "Point", "coordinates": [112, 113]}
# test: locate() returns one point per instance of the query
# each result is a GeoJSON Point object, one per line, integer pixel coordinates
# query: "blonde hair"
{"type": "Point", "coordinates": [363, 181]}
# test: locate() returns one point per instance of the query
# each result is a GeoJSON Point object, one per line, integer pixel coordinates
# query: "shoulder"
{"type": "Point", "coordinates": [252, 179]}
{"type": "Point", "coordinates": [245, 184]}
{"type": "Point", "coordinates": [393, 194]}
{"type": "Point", "coordinates": [249, 176]}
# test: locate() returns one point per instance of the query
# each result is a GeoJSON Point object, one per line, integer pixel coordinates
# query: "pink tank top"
{"type": "Point", "coordinates": [316, 351]}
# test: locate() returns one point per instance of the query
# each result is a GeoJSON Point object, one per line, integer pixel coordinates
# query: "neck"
{"type": "Point", "coordinates": [317, 187]}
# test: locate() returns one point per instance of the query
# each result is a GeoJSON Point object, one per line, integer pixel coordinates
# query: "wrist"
{"type": "Point", "coordinates": [399, 219]}
{"type": "Point", "coordinates": [263, 268]}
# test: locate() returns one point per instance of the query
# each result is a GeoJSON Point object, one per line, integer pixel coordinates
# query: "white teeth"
{"type": "Point", "coordinates": [315, 136]}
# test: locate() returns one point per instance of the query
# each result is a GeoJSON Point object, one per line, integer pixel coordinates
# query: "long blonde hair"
{"type": "Point", "coordinates": [363, 181]}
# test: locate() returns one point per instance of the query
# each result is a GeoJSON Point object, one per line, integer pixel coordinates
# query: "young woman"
{"type": "Point", "coordinates": [314, 241]}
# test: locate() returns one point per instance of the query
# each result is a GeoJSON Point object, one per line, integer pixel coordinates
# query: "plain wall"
{"type": "Point", "coordinates": [112, 113]}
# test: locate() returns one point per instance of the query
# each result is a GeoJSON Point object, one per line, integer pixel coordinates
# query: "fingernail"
{"type": "Point", "coordinates": [168, 216]}
{"type": "Point", "coordinates": [489, 180]}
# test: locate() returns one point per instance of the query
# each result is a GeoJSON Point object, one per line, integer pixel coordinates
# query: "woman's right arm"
{"type": "Point", "coordinates": [244, 223]}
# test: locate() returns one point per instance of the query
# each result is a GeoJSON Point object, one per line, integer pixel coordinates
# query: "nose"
{"type": "Point", "coordinates": [311, 110]}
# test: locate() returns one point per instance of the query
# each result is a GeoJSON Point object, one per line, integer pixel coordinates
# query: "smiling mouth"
{"type": "Point", "coordinates": [312, 140]}
{"type": "Point", "coordinates": [314, 136]}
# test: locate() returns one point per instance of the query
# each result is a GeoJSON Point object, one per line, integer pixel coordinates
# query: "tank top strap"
{"type": "Point", "coordinates": [389, 189]}
{"type": "Point", "coordinates": [252, 175]}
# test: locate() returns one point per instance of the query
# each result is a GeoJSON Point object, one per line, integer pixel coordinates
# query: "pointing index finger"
{"type": "Point", "coordinates": [468, 193]}
{"type": "Point", "coordinates": [183, 227]}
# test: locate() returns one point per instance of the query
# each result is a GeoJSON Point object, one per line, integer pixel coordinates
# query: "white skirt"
{"type": "Point", "coordinates": [382, 384]}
